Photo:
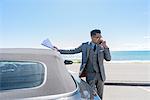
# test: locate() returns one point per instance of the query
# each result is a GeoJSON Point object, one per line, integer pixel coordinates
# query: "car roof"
{"type": "Point", "coordinates": [56, 70]}
{"type": "Point", "coordinates": [27, 51]}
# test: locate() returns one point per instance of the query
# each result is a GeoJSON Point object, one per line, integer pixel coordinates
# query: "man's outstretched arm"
{"type": "Point", "coordinates": [71, 51]}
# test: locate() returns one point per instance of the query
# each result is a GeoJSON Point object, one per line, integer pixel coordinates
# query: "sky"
{"type": "Point", "coordinates": [125, 24]}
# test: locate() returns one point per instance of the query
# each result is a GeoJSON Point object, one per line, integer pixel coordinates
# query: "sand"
{"type": "Point", "coordinates": [132, 71]}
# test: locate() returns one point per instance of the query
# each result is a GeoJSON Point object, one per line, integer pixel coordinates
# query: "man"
{"type": "Point", "coordinates": [93, 54]}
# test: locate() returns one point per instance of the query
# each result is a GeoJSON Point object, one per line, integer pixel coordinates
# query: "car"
{"type": "Point", "coordinates": [39, 74]}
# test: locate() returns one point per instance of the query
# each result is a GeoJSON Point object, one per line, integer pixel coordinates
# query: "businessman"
{"type": "Point", "coordinates": [93, 55]}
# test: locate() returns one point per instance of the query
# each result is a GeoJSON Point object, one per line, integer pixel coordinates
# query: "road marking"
{"type": "Point", "coordinates": [144, 88]}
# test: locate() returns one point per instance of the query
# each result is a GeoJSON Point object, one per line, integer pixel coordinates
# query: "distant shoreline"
{"type": "Point", "coordinates": [118, 56]}
{"type": "Point", "coordinates": [117, 61]}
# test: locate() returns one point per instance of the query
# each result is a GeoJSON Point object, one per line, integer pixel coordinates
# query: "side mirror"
{"type": "Point", "coordinates": [68, 62]}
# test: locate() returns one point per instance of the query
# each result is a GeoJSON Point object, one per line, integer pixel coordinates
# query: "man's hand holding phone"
{"type": "Point", "coordinates": [102, 42]}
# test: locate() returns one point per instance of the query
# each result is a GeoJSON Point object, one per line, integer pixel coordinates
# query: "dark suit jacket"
{"type": "Point", "coordinates": [103, 53]}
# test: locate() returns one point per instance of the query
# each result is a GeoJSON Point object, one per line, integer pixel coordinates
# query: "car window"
{"type": "Point", "coordinates": [20, 74]}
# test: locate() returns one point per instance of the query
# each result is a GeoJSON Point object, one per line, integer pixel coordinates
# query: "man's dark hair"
{"type": "Point", "coordinates": [93, 32]}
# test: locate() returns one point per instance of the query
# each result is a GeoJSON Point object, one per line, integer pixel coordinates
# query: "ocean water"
{"type": "Point", "coordinates": [119, 56]}
{"type": "Point", "coordinates": [131, 55]}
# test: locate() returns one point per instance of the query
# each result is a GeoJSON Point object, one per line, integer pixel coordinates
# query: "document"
{"type": "Point", "coordinates": [47, 43]}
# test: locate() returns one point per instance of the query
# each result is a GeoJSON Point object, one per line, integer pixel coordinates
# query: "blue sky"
{"type": "Point", "coordinates": [125, 24]}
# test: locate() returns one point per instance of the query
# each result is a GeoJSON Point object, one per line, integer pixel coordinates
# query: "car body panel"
{"type": "Point", "coordinates": [57, 84]}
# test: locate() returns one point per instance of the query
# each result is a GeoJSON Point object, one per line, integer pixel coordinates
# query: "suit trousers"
{"type": "Point", "coordinates": [97, 85]}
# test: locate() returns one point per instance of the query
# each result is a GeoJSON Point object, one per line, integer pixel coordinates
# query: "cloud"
{"type": "Point", "coordinates": [131, 46]}
{"type": "Point", "coordinates": [147, 37]}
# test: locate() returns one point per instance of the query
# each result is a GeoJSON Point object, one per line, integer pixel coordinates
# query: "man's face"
{"type": "Point", "coordinates": [96, 38]}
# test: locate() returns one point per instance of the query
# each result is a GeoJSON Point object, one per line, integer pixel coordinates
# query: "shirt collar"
{"type": "Point", "coordinates": [93, 44]}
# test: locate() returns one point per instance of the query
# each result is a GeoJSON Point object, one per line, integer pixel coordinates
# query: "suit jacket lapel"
{"type": "Point", "coordinates": [99, 49]}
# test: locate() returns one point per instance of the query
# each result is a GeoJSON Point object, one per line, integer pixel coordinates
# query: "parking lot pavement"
{"type": "Point", "coordinates": [126, 93]}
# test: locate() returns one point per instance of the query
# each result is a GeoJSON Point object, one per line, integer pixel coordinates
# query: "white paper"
{"type": "Point", "coordinates": [47, 43]}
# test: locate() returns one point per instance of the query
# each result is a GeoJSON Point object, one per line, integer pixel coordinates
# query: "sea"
{"type": "Point", "coordinates": [122, 56]}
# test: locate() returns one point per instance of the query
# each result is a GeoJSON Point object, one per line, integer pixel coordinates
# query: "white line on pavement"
{"type": "Point", "coordinates": [145, 88]}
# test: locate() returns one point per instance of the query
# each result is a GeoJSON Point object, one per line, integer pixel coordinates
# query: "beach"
{"type": "Point", "coordinates": [124, 72]}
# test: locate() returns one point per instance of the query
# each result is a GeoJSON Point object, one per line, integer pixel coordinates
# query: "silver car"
{"type": "Point", "coordinates": [39, 74]}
